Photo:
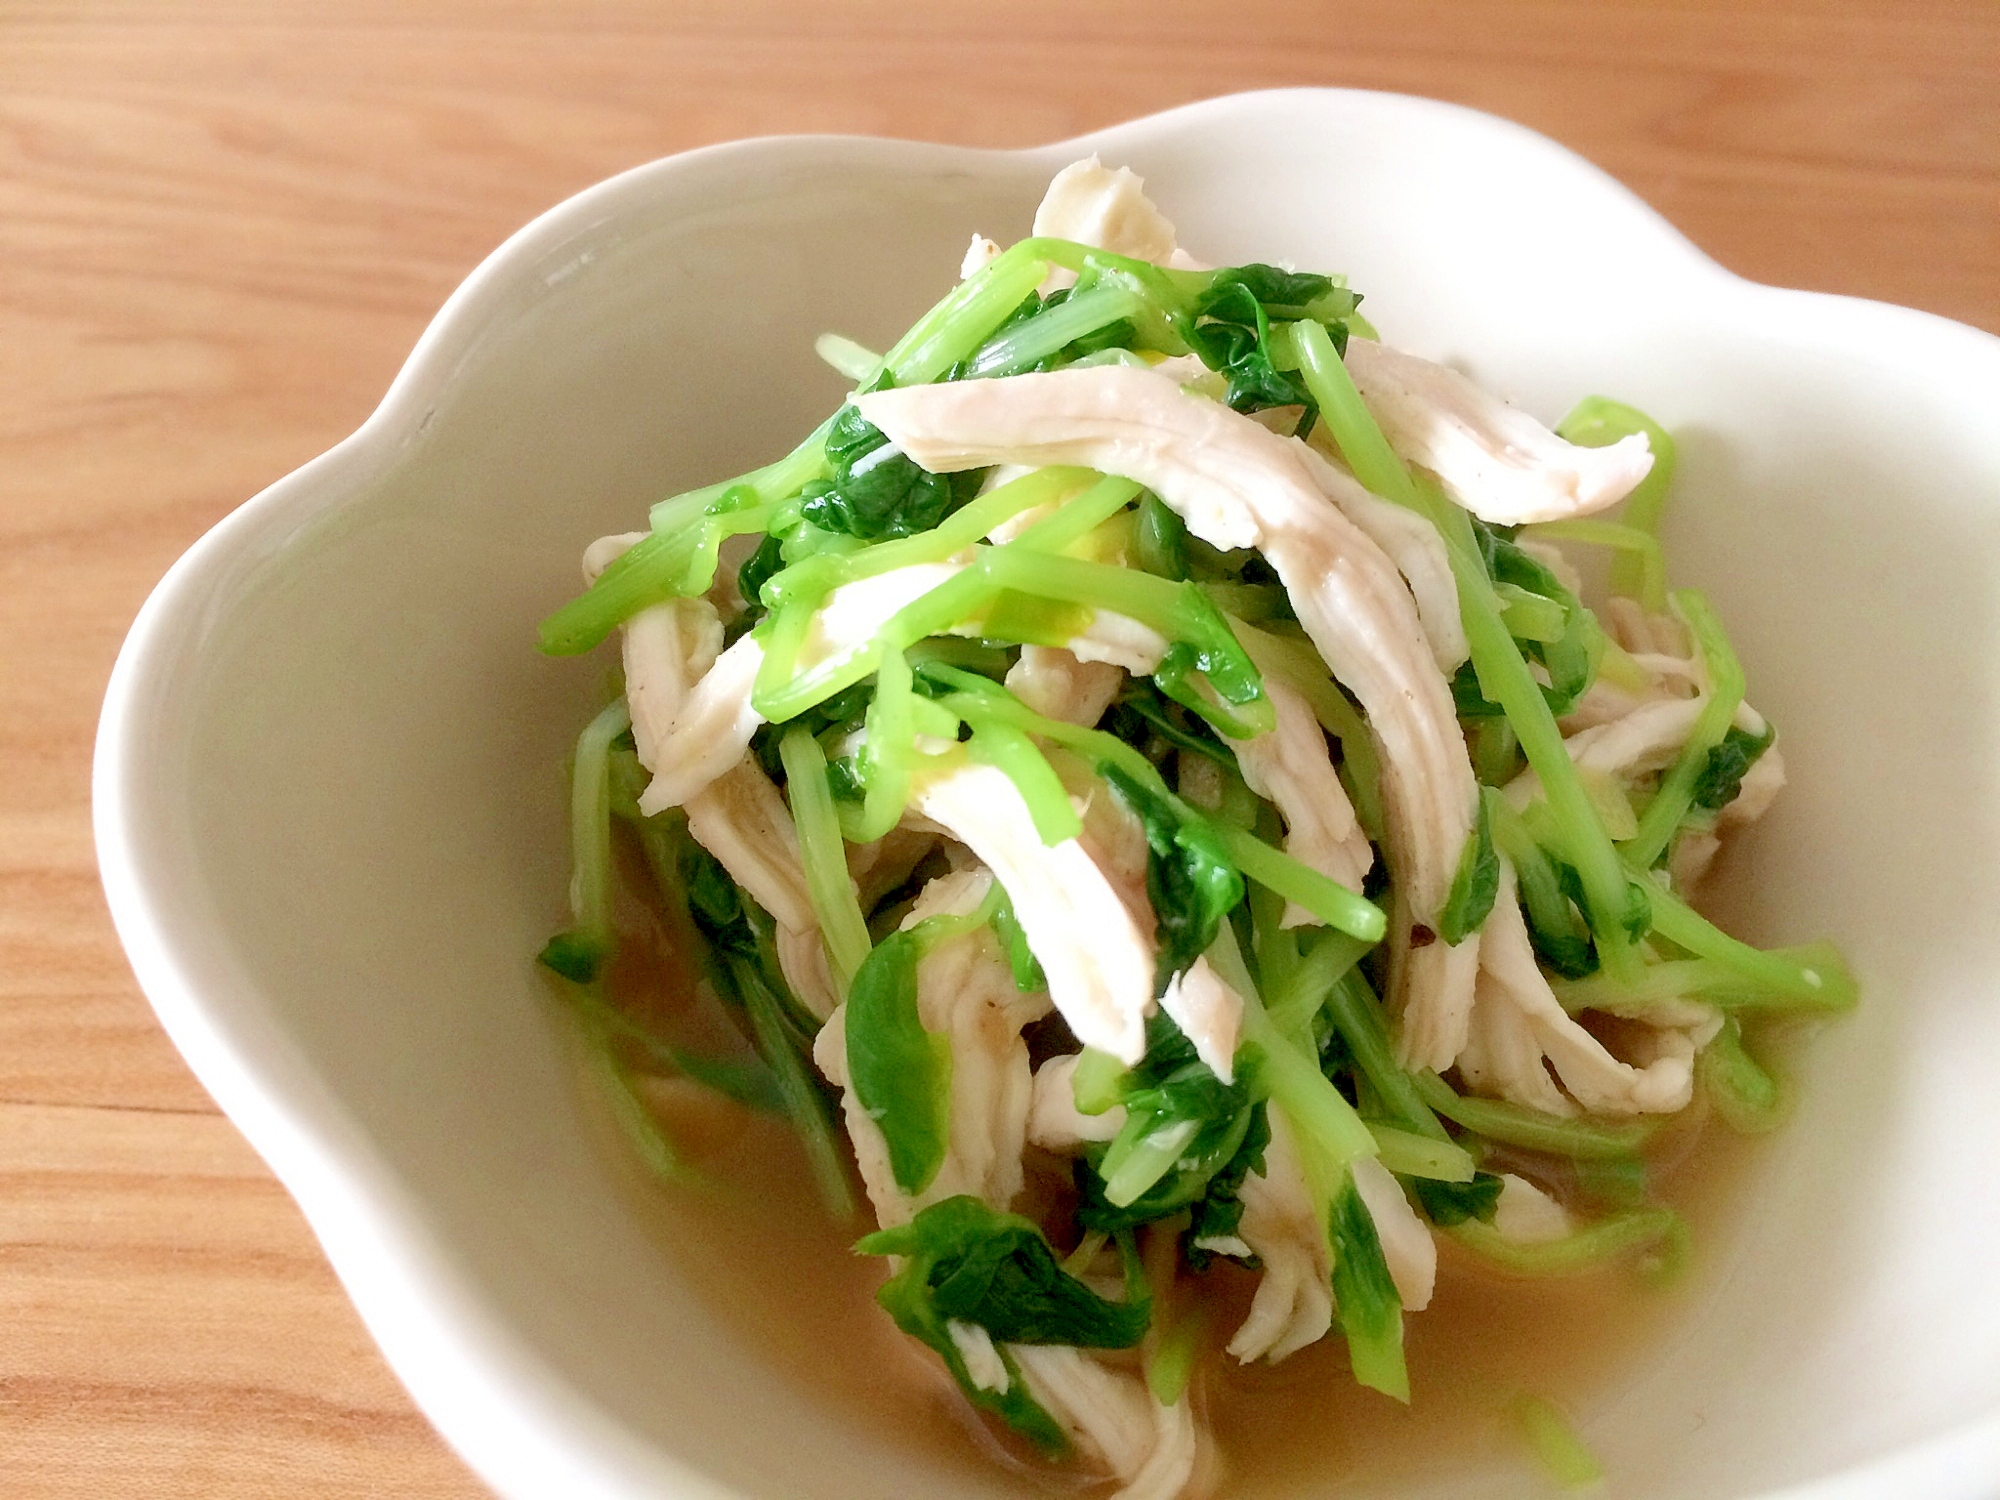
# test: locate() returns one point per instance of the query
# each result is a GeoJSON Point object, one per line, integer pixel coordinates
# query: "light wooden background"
{"type": "Point", "coordinates": [223, 224]}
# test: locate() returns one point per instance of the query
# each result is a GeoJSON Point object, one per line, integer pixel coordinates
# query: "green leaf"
{"type": "Point", "coordinates": [761, 565]}
{"type": "Point", "coordinates": [1476, 884]}
{"type": "Point", "coordinates": [1721, 779]}
{"type": "Point", "coordinates": [979, 1265]}
{"type": "Point", "coordinates": [576, 955]}
{"type": "Point", "coordinates": [900, 1072]}
{"type": "Point", "coordinates": [876, 492]}
{"type": "Point", "coordinates": [1218, 1212]}
{"type": "Point", "coordinates": [1370, 1310]}
{"type": "Point", "coordinates": [1190, 878]}
{"type": "Point", "coordinates": [1289, 292]}
{"type": "Point", "coordinates": [1233, 339]}
{"type": "Point", "coordinates": [1141, 711]}
{"type": "Point", "coordinates": [908, 1300]}
{"type": "Point", "coordinates": [1449, 1203]}
{"type": "Point", "coordinates": [1184, 1130]}
{"type": "Point", "coordinates": [1027, 969]}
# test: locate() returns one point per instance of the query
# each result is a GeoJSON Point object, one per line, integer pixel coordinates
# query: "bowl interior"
{"type": "Point", "coordinates": [343, 770]}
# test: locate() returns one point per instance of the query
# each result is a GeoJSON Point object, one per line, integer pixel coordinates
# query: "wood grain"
{"type": "Point", "coordinates": [222, 225]}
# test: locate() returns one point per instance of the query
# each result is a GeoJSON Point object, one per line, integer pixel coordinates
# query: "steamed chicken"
{"type": "Point", "coordinates": [1150, 734]}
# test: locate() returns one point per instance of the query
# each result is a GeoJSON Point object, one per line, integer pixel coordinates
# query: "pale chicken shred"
{"type": "Point", "coordinates": [700, 721]}
{"type": "Point", "coordinates": [1290, 768]}
{"type": "Point", "coordinates": [1098, 960]}
{"type": "Point", "coordinates": [1237, 485]}
{"type": "Point", "coordinates": [1510, 1060]}
{"type": "Point", "coordinates": [1293, 1305]}
{"type": "Point", "coordinates": [966, 994]}
{"type": "Point", "coordinates": [1493, 459]}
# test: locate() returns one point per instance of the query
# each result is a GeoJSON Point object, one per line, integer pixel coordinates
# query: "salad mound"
{"type": "Point", "coordinates": [1150, 739]}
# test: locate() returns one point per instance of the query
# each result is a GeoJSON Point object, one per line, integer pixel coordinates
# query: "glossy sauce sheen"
{"type": "Point", "coordinates": [794, 1288]}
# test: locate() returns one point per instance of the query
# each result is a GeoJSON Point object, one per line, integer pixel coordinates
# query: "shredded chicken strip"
{"type": "Point", "coordinates": [1527, 1215]}
{"type": "Point", "coordinates": [1411, 542]}
{"type": "Point", "coordinates": [1106, 207]}
{"type": "Point", "coordinates": [1291, 768]}
{"type": "Point", "coordinates": [1055, 1123]}
{"type": "Point", "coordinates": [1502, 1058]}
{"type": "Point", "coordinates": [1593, 1077]}
{"type": "Point", "coordinates": [1493, 459]}
{"type": "Point", "coordinates": [1407, 1246]}
{"type": "Point", "coordinates": [737, 815]}
{"type": "Point", "coordinates": [712, 717]}
{"type": "Point", "coordinates": [1293, 1305]}
{"type": "Point", "coordinates": [966, 994]}
{"type": "Point", "coordinates": [1237, 485]}
{"type": "Point", "coordinates": [1056, 685]}
{"type": "Point", "coordinates": [709, 733]}
{"type": "Point", "coordinates": [1151, 1448]}
{"type": "Point", "coordinates": [1098, 961]}
{"type": "Point", "coordinates": [742, 819]}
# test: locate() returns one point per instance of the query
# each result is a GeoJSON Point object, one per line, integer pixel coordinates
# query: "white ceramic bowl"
{"type": "Point", "coordinates": [331, 825]}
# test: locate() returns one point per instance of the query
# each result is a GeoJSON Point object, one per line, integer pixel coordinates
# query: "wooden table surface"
{"type": "Point", "coordinates": [224, 222]}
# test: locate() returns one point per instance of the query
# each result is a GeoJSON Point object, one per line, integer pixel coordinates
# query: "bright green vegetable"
{"type": "Point", "coordinates": [1750, 1099]}
{"type": "Point", "coordinates": [1498, 667]}
{"type": "Point", "coordinates": [972, 1263]}
{"type": "Point", "coordinates": [1724, 985]}
{"type": "Point", "coordinates": [1170, 1365]}
{"type": "Point", "coordinates": [1332, 903]}
{"type": "Point", "coordinates": [900, 1072]}
{"type": "Point", "coordinates": [1597, 1244]}
{"type": "Point", "coordinates": [799, 1088]}
{"type": "Point", "coordinates": [996, 1270]}
{"type": "Point", "coordinates": [1517, 1125]}
{"type": "Point", "coordinates": [1555, 1444]}
{"type": "Point", "coordinates": [1409, 1154]}
{"type": "Point", "coordinates": [824, 855]}
{"type": "Point", "coordinates": [1678, 788]}
{"type": "Point", "coordinates": [1365, 1297]}
{"type": "Point", "coordinates": [1814, 975]}
{"type": "Point", "coordinates": [1356, 1017]}
{"type": "Point", "coordinates": [580, 952]}
{"type": "Point", "coordinates": [1187, 1137]}
{"type": "Point", "coordinates": [1597, 422]}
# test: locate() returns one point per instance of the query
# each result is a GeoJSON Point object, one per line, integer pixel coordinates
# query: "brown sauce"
{"type": "Point", "coordinates": [801, 1299]}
